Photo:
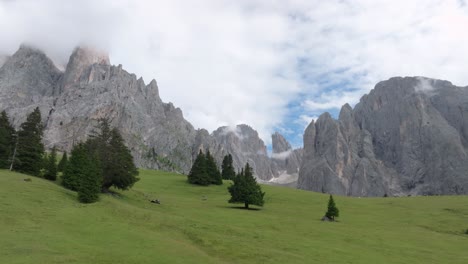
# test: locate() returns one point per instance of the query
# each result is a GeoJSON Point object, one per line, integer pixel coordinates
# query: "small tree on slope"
{"type": "Point", "coordinates": [212, 169]}
{"type": "Point", "coordinates": [332, 211]}
{"type": "Point", "coordinates": [228, 172]}
{"type": "Point", "coordinates": [51, 166]}
{"type": "Point", "coordinates": [30, 149]}
{"type": "Point", "coordinates": [7, 141]}
{"type": "Point", "coordinates": [63, 162]}
{"type": "Point", "coordinates": [199, 172]}
{"type": "Point", "coordinates": [90, 183]}
{"type": "Point", "coordinates": [245, 189]}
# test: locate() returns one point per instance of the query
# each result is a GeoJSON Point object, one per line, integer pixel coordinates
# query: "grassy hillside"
{"type": "Point", "coordinates": [40, 222]}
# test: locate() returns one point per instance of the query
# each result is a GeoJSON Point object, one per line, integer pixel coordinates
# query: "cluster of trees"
{"type": "Point", "coordinates": [22, 150]}
{"type": "Point", "coordinates": [244, 189]}
{"type": "Point", "coordinates": [204, 170]}
{"type": "Point", "coordinates": [101, 162]}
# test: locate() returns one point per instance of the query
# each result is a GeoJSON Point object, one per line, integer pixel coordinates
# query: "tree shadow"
{"type": "Point", "coordinates": [241, 208]}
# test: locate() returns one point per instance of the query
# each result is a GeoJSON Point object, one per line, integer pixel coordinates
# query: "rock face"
{"type": "Point", "coordinates": [73, 101]}
{"type": "Point", "coordinates": [286, 160]}
{"type": "Point", "coordinates": [407, 136]}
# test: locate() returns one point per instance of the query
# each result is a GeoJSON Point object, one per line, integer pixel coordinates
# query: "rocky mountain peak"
{"type": "Point", "coordinates": [81, 59]}
{"type": "Point", "coordinates": [407, 136]}
{"type": "Point", "coordinates": [279, 143]}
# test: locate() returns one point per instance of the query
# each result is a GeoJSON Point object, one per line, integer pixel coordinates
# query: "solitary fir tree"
{"type": "Point", "coordinates": [51, 165]}
{"type": "Point", "coordinates": [332, 211]}
{"type": "Point", "coordinates": [30, 150]}
{"type": "Point", "coordinates": [245, 189]}
{"type": "Point", "coordinates": [228, 172]}
{"type": "Point", "coordinates": [63, 162]}
{"type": "Point", "coordinates": [212, 169]}
{"type": "Point", "coordinates": [199, 172]}
{"type": "Point", "coordinates": [7, 141]}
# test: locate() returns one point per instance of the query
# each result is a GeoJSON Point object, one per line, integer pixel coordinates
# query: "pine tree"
{"type": "Point", "coordinates": [76, 167]}
{"type": "Point", "coordinates": [7, 141]}
{"type": "Point", "coordinates": [332, 211]}
{"type": "Point", "coordinates": [228, 172]}
{"type": "Point", "coordinates": [30, 150]}
{"type": "Point", "coordinates": [90, 181]}
{"type": "Point", "coordinates": [51, 165]}
{"type": "Point", "coordinates": [63, 163]}
{"type": "Point", "coordinates": [245, 189]}
{"type": "Point", "coordinates": [212, 169]}
{"type": "Point", "coordinates": [199, 173]}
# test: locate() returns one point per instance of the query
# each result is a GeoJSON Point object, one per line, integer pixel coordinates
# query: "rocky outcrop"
{"type": "Point", "coordinates": [407, 136]}
{"type": "Point", "coordinates": [286, 160]}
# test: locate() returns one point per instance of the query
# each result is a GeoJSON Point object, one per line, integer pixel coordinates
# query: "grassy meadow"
{"type": "Point", "coordinates": [41, 222]}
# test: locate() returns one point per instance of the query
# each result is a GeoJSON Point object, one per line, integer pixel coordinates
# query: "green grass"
{"type": "Point", "coordinates": [40, 222]}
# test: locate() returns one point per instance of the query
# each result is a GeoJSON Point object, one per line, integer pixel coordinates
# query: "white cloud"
{"type": "Point", "coordinates": [282, 155]}
{"type": "Point", "coordinates": [228, 62]}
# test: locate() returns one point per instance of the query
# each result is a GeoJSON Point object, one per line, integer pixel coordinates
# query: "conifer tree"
{"type": "Point", "coordinates": [212, 169]}
{"type": "Point", "coordinates": [228, 172]}
{"type": "Point", "coordinates": [89, 185]}
{"type": "Point", "coordinates": [51, 165]}
{"type": "Point", "coordinates": [120, 170]}
{"type": "Point", "coordinates": [245, 189]}
{"type": "Point", "coordinates": [30, 150]}
{"type": "Point", "coordinates": [199, 174]}
{"type": "Point", "coordinates": [7, 141]}
{"type": "Point", "coordinates": [63, 163]}
{"type": "Point", "coordinates": [332, 211]}
{"type": "Point", "coordinates": [76, 167]}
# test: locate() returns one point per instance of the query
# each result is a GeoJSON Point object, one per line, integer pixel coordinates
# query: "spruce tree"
{"type": "Point", "coordinates": [199, 173]}
{"type": "Point", "coordinates": [228, 172]}
{"type": "Point", "coordinates": [51, 165]}
{"type": "Point", "coordinates": [63, 163]}
{"type": "Point", "coordinates": [89, 185]}
{"type": "Point", "coordinates": [30, 150]}
{"type": "Point", "coordinates": [120, 170]}
{"type": "Point", "coordinates": [76, 167]}
{"type": "Point", "coordinates": [332, 211]}
{"type": "Point", "coordinates": [7, 141]}
{"type": "Point", "coordinates": [212, 169]}
{"type": "Point", "coordinates": [245, 189]}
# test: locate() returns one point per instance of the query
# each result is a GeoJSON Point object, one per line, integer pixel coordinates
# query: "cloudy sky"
{"type": "Point", "coordinates": [274, 65]}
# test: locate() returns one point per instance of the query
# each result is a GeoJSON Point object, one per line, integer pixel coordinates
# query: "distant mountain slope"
{"type": "Point", "coordinates": [407, 136]}
{"type": "Point", "coordinates": [90, 88]}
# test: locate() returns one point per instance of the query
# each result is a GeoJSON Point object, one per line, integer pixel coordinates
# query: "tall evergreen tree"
{"type": "Point", "coordinates": [120, 170]}
{"type": "Point", "coordinates": [199, 173]}
{"type": "Point", "coordinates": [228, 172]}
{"type": "Point", "coordinates": [332, 210]}
{"type": "Point", "coordinates": [212, 169]}
{"type": "Point", "coordinates": [7, 141]}
{"type": "Point", "coordinates": [90, 181]}
{"type": "Point", "coordinates": [76, 168]}
{"type": "Point", "coordinates": [245, 189]}
{"type": "Point", "coordinates": [30, 150]}
{"type": "Point", "coordinates": [51, 165]}
{"type": "Point", "coordinates": [63, 162]}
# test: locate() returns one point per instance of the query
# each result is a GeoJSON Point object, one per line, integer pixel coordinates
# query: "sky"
{"type": "Point", "coordinates": [274, 65]}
